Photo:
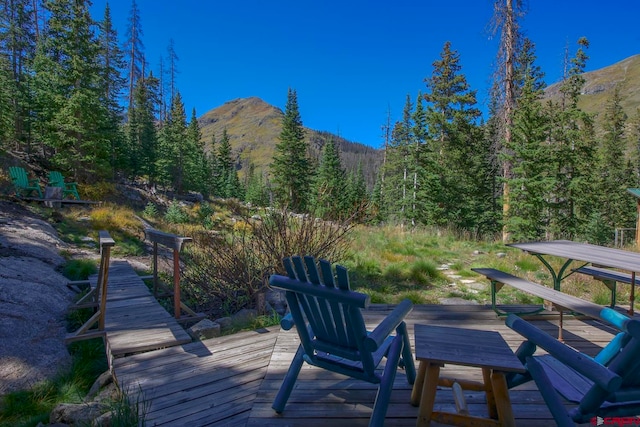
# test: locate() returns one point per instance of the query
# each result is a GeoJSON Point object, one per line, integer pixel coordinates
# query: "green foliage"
{"type": "Point", "coordinates": [27, 408]}
{"type": "Point", "coordinates": [423, 272]}
{"type": "Point", "coordinates": [79, 269]}
{"type": "Point", "coordinates": [150, 211]}
{"type": "Point", "coordinates": [69, 109]}
{"type": "Point", "coordinates": [176, 214]}
{"type": "Point", "coordinates": [291, 167]}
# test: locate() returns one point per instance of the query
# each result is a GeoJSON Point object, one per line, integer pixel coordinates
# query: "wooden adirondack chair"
{"type": "Point", "coordinates": [607, 385]}
{"type": "Point", "coordinates": [333, 336]}
{"type": "Point", "coordinates": [22, 183]}
{"type": "Point", "coordinates": [56, 179]}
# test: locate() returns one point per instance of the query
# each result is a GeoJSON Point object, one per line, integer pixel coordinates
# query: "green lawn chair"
{"type": "Point", "coordinates": [329, 322]}
{"type": "Point", "coordinates": [68, 188]}
{"type": "Point", "coordinates": [22, 184]}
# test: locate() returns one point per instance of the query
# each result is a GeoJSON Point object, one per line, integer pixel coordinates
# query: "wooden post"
{"type": "Point", "coordinates": [176, 283]}
{"type": "Point", "coordinates": [638, 224]}
{"type": "Point", "coordinates": [175, 243]}
{"type": "Point", "coordinates": [53, 197]}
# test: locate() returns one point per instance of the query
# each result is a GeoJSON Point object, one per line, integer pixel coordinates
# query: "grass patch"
{"type": "Point", "coordinates": [79, 269]}
{"type": "Point", "coordinates": [28, 408]}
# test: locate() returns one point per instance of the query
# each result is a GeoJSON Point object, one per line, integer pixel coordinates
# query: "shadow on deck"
{"type": "Point", "coordinates": [233, 380]}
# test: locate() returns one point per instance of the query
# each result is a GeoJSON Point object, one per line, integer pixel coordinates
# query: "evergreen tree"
{"type": "Point", "coordinates": [527, 151]}
{"type": "Point", "coordinates": [615, 175]}
{"type": "Point", "coordinates": [329, 184]}
{"type": "Point", "coordinates": [134, 49]}
{"type": "Point", "coordinates": [18, 46]}
{"type": "Point", "coordinates": [257, 193]}
{"type": "Point", "coordinates": [451, 117]}
{"type": "Point", "coordinates": [111, 67]}
{"type": "Point", "coordinates": [356, 199]}
{"type": "Point", "coordinates": [573, 142]}
{"type": "Point", "coordinates": [197, 163]}
{"type": "Point", "coordinates": [6, 116]}
{"type": "Point", "coordinates": [71, 115]}
{"type": "Point", "coordinates": [398, 167]}
{"type": "Point", "coordinates": [228, 182]}
{"type": "Point", "coordinates": [174, 148]}
{"type": "Point", "coordinates": [142, 137]}
{"type": "Point", "coordinates": [290, 167]}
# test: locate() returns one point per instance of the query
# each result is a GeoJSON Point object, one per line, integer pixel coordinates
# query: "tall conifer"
{"type": "Point", "coordinates": [290, 167]}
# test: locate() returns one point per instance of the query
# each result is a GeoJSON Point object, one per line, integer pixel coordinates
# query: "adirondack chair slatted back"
{"type": "Point", "coordinates": [333, 314]}
{"type": "Point", "coordinates": [327, 315]}
{"type": "Point", "coordinates": [56, 179]}
{"type": "Point", "coordinates": [22, 183]}
{"type": "Point", "coordinates": [606, 385]}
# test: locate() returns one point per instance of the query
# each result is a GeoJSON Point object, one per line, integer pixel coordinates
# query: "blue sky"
{"type": "Point", "coordinates": [352, 61]}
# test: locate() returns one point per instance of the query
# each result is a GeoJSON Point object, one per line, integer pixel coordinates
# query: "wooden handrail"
{"type": "Point", "coordinates": [105, 243]}
{"type": "Point", "coordinates": [175, 243]}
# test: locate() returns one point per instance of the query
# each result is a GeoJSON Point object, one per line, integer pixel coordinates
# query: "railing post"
{"type": "Point", "coordinates": [175, 243]}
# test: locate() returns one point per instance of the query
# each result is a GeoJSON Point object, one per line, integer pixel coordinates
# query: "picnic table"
{"type": "Point", "coordinates": [598, 256]}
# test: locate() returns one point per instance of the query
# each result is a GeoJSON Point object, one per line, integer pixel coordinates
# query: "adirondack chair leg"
{"type": "Point", "coordinates": [289, 381]}
{"type": "Point", "coordinates": [386, 385]}
{"type": "Point", "coordinates": [549, 394]}
{"type": "Point", "coordinates": [526, 349]}
{"type": "Point", "coordinates": [407, 357]}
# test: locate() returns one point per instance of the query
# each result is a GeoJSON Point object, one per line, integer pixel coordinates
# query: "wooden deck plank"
{"type": "Point", "coordinates": [134, 320]}
{"type": "Point", "coordinates": [232, 380]}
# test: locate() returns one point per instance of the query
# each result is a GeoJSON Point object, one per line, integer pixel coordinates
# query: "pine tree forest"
{"type": "Point", "coordinates": [78, 97]}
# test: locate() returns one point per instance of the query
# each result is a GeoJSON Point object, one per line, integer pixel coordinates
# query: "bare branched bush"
{"type": "Point", "coordinates": [225, 273]}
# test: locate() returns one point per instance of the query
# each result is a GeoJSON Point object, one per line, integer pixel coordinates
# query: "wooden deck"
{"type": "Point", "coordinates": [231, 381]}
{"type": "Point", "coordinates": [134, 320]}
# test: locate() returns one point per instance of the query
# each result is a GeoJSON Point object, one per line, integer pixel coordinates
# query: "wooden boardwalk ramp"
{"type": "Point", "coordinates": [134, 320]}
{"type": "Point", "coordinates": [232, 380]}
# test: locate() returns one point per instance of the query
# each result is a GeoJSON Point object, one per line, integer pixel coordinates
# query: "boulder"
{"type": "Point", "coordinates": [204, 329]}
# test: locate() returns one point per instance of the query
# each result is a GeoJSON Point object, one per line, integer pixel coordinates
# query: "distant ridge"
{"type": "Point", "coordinates": [254, 128]}
{"type": "Point", "coordinates": [600, 84]}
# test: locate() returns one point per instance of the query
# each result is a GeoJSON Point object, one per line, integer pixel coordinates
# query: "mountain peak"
{"type": "Point", "coordinates": [254, 127]}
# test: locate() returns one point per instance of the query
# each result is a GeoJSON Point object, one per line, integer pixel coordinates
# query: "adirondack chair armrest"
{"type": "Point", "coordinates": [577, 361]}
{"type": "Point", "coordinates": [287, 322]}
{"type": "Point", "coordinates": [388, 325]}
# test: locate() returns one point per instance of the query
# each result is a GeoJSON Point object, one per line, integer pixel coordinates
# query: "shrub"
{"type": "Point", "coordinates": [224, 273]}
{"type": "Point", "coordinates": [79, 269]}
{"type": "Point", "coordinates": [176, 214]}
{"type": "Point", "coordinates": [150, 211]}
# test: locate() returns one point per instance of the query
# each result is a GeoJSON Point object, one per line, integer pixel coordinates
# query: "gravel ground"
{"type": "Point", "coordinates": [33, 300]}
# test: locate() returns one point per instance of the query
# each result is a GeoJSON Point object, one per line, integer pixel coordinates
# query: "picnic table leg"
{"type": "Point", "coordinates": [491, 398]}
{"type": "Point", "coordinates": [632, 296]}
{"type": "Point", "coordinates": [428, 397]}
{"type": "Point", "coordinates": [503, 402]}
{"type": "Point", "coordinates": [561, 326]}
{"type": "Point", "coordinates": [416, 392]}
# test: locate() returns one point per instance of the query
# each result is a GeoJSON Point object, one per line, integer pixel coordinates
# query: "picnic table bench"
{"type": "Point", "coordinates": [609, 277]}
{"type": "Point", "coordinates": [560, 301]}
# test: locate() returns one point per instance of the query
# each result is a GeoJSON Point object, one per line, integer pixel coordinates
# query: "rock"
{"type": "Point", "coordinates": [501, 255]}
{"type": "Point", "coordinates": [205, 329]}
{"type": "Point", "coordinates": [102, 381]}
{"type": "Point", "coordinates": [34, 300]}
{"type": "Point", "coordinates": [244, 316]}
{"type": "Point", "coordinates": [224, 322]}
{"type": "Point", "coordinates": [76, 413]}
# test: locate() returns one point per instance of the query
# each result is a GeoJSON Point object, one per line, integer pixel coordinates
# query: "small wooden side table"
{"type": "Point", "coordinates": [438, 345]}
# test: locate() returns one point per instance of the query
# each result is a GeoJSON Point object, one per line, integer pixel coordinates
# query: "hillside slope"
{"type": "Point", "coordinates": [600, 84]}
{"type": "Point", "coordinates": [254, 128]}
